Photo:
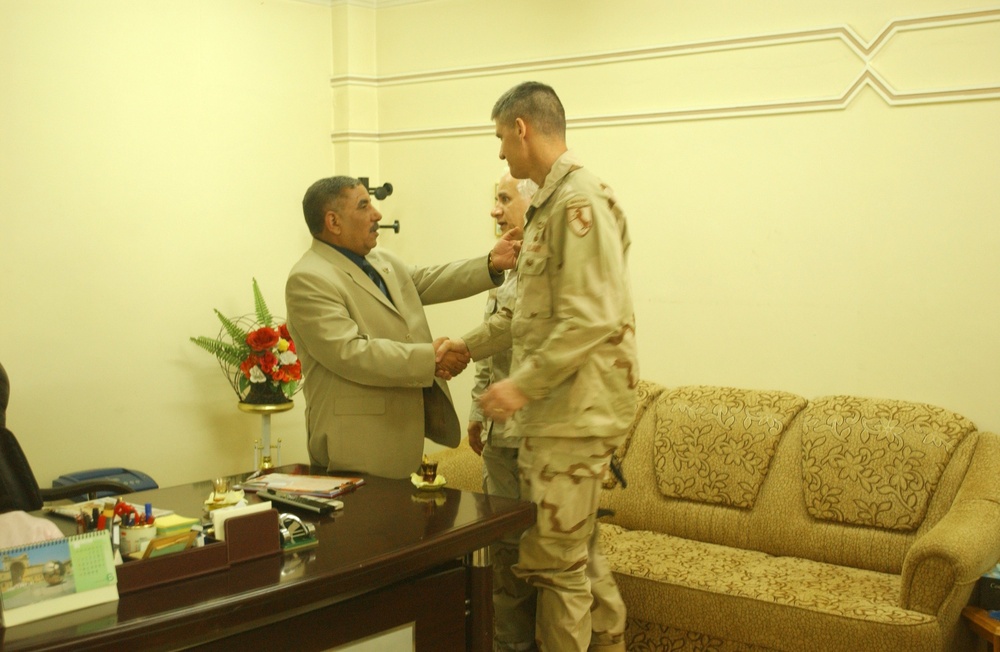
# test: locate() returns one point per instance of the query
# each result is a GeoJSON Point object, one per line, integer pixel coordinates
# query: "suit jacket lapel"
{"type": "Point", "coordinates": [360, 279]}
{"type": "Point", "coordinates": [388, 275]}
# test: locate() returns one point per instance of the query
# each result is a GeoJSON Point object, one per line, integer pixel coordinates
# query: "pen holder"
{"type": "Point", "coordinates": [135, 537]}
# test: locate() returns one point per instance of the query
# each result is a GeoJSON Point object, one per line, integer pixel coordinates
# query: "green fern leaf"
{"type": "Point", "coordinates": [236, 334]}
{"type": "Point", "coordinates": [234, 355]}
{"type": "Point", "coordinates": [263, 314]}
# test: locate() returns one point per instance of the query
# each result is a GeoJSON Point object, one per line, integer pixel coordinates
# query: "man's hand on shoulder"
{"type": "Point", "coordinates": [505, 251]}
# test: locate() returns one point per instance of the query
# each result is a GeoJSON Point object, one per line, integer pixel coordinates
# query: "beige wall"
{"type": "Point", "coordinates": [152, 160]}
{"type": "Point", "coordinates": [811, 190]}
{"type": "Point", "coordinates": [812, 187]}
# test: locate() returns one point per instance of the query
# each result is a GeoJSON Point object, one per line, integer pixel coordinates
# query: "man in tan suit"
{"type": "Point", "coordinates": [373, 388]}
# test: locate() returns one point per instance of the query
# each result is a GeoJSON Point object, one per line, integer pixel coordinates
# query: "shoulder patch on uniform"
{"type": "Point", "coordinates": [579, 217]}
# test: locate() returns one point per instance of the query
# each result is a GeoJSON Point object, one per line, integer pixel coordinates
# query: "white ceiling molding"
{"type": "Point", "coordinates": [867, 75]}
{"type": "Point", "coordinates": [368, 4]}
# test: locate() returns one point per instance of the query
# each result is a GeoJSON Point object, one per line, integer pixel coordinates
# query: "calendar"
{"type": "Point", "coordinates": [56, 576]}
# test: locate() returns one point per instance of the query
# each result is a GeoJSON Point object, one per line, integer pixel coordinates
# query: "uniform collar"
{"type": "Point", "coordinates": [566, 163]}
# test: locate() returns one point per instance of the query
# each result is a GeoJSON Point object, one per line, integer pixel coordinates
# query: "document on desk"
{"type": "Point", "coordinates": [324, 486]}
{"type": "Point", "coordinates": [71, 511]}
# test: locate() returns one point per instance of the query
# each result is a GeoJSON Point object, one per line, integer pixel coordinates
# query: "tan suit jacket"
{"type": "Point", "coordinates": [371, 394]}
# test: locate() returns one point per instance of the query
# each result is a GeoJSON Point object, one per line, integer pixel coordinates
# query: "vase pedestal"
{"type": "Point", "coordinates": [262, 447]}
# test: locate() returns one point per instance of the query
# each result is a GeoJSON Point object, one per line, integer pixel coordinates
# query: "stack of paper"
{"type": "Point", "coordinates": [174, 524]}
{"type": "Point", "coordinates": [324, 486]}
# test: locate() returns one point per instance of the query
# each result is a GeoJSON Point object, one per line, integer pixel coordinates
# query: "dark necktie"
{"type": "Point", "coordinates": [374, 276]}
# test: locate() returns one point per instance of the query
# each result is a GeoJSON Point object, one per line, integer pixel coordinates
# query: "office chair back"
{"type": "Point", "coordinates": [18, 488]}
{"type": "Point", "coordinates": [4, 396]}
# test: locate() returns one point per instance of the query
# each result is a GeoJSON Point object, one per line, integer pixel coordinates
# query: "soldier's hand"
{"type": "Point", "coordinates": [501, 400]}
{"type": "Point", "coordinates": [443, 345]}
{"type": "Point", "coordinates": [475, 431]}
{"type": "Point", "coordinates": [449, 361]}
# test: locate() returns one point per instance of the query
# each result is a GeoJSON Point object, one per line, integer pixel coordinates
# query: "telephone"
{"type": "Point", "coordinates": [138, 480]}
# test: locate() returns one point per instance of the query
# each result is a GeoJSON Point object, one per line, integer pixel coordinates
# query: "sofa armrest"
{"type": "Point", "coordinates": [951, 557]}
{"type": "Point", "coordinates": [945, 563]}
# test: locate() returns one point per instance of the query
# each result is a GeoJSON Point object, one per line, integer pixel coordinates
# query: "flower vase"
{"type": "Point", "coordinates": [265, 394]}
{"type": "Point", "coordinates": [264, 399]}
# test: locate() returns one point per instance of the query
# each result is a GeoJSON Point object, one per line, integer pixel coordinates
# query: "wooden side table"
{"type": "Point", "coordinates": [985, 627]}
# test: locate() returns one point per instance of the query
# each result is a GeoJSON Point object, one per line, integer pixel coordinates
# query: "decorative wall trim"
{"type": "Point", "coordinates": [368, 4]}
{"type": "Point", "coordinates": [865, 51]}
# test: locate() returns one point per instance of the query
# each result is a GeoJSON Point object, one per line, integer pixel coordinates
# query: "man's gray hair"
{"type": "Point", "coordinates": [535, 103]}
{"type": "Point", "coordinates": [527, 188]}
{"type": "Point", "coordinates": [318, 198]}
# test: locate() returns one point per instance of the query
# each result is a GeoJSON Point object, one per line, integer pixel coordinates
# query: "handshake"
{"type": "Point", "coordinates": [500, 400]}
{"type": "Point", "coordinates": [452, 357]}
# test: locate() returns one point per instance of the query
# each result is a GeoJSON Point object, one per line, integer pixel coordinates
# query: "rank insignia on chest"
{"type": "Point", "coordinates": [579, 218]}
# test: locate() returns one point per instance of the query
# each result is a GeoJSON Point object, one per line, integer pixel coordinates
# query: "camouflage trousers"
{"type": "Point", "coordinates": [579, 607]}
{"type": "Point", "coordinates": [513, 598]}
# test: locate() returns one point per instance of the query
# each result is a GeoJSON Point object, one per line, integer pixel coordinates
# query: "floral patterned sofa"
{"type": "Point", "coordinates": [759, 520]}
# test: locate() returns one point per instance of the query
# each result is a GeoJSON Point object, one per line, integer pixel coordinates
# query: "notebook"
{"type": "Point", "coordinates": [56, 576]}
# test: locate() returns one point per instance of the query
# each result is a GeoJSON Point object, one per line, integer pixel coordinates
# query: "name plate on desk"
{"type": "Point", "coordinates": [252, 536]}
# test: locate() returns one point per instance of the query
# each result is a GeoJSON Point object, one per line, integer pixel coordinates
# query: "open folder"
{"type": "Point", "coordinates": [324, 486]}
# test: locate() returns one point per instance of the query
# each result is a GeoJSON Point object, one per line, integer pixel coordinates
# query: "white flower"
{"type": "Point", "coordinates": [256, 375]}
{"type": "Point", "coordinates": [288, 357]}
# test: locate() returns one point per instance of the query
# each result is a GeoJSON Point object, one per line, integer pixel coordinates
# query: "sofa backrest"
{"type": "Point", "coordinates": [845, 480]}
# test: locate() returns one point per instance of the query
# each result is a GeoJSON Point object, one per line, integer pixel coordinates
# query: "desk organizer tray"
{"type": "Point", "coordinates": [144, 573]}
{"type": "Point", "coordinates": [247, 537]}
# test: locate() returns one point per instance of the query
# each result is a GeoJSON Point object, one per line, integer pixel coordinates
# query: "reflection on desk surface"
{"type": "Point", "coordinates": [387, 530]}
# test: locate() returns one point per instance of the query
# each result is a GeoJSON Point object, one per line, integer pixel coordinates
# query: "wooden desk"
{"type": "Point", "coordinates": [985, 627]}
{"type": "Point", "coordinates": [392, 556]}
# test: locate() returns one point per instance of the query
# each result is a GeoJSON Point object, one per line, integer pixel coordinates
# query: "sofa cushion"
{"type": "Point", "coordinates": [644, 636]}
{"type": "Point", "coordinates": [646, 393]}
{"type": "Point", "coordinates": [787, 602]}
{"type": "Point", "coordinates": [714, 444]}
{"type": "Point", "coordinates": [875, 463]}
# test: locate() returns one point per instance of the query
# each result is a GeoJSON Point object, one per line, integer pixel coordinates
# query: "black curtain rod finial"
{"type": "Point", "coordinates": [380, 192]}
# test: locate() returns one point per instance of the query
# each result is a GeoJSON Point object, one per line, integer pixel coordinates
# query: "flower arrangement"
{"type": "Point", "coordinates": [256, 354]}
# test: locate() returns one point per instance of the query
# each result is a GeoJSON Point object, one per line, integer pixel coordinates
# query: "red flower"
{"type": "Point", "coordinates": [267, 361]}
{"type": "Point", "coordinates": [248, 364]}
{"type": "Point", "coordinates": [288, 372]}
{"type": "Point", "coordinates": [262, 339]}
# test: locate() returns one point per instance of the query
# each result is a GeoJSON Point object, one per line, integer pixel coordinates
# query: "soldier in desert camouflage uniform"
{"type": "Point", "coordinates": [513, 598]}
{"type": "Point", "coordinates": [571, 391]}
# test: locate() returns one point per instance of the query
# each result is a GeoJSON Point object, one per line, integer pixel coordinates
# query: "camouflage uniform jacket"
{"type": "Point", "coordinates": [496, 367]}
{"type": "Point", "coordinates": [573, 325]}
